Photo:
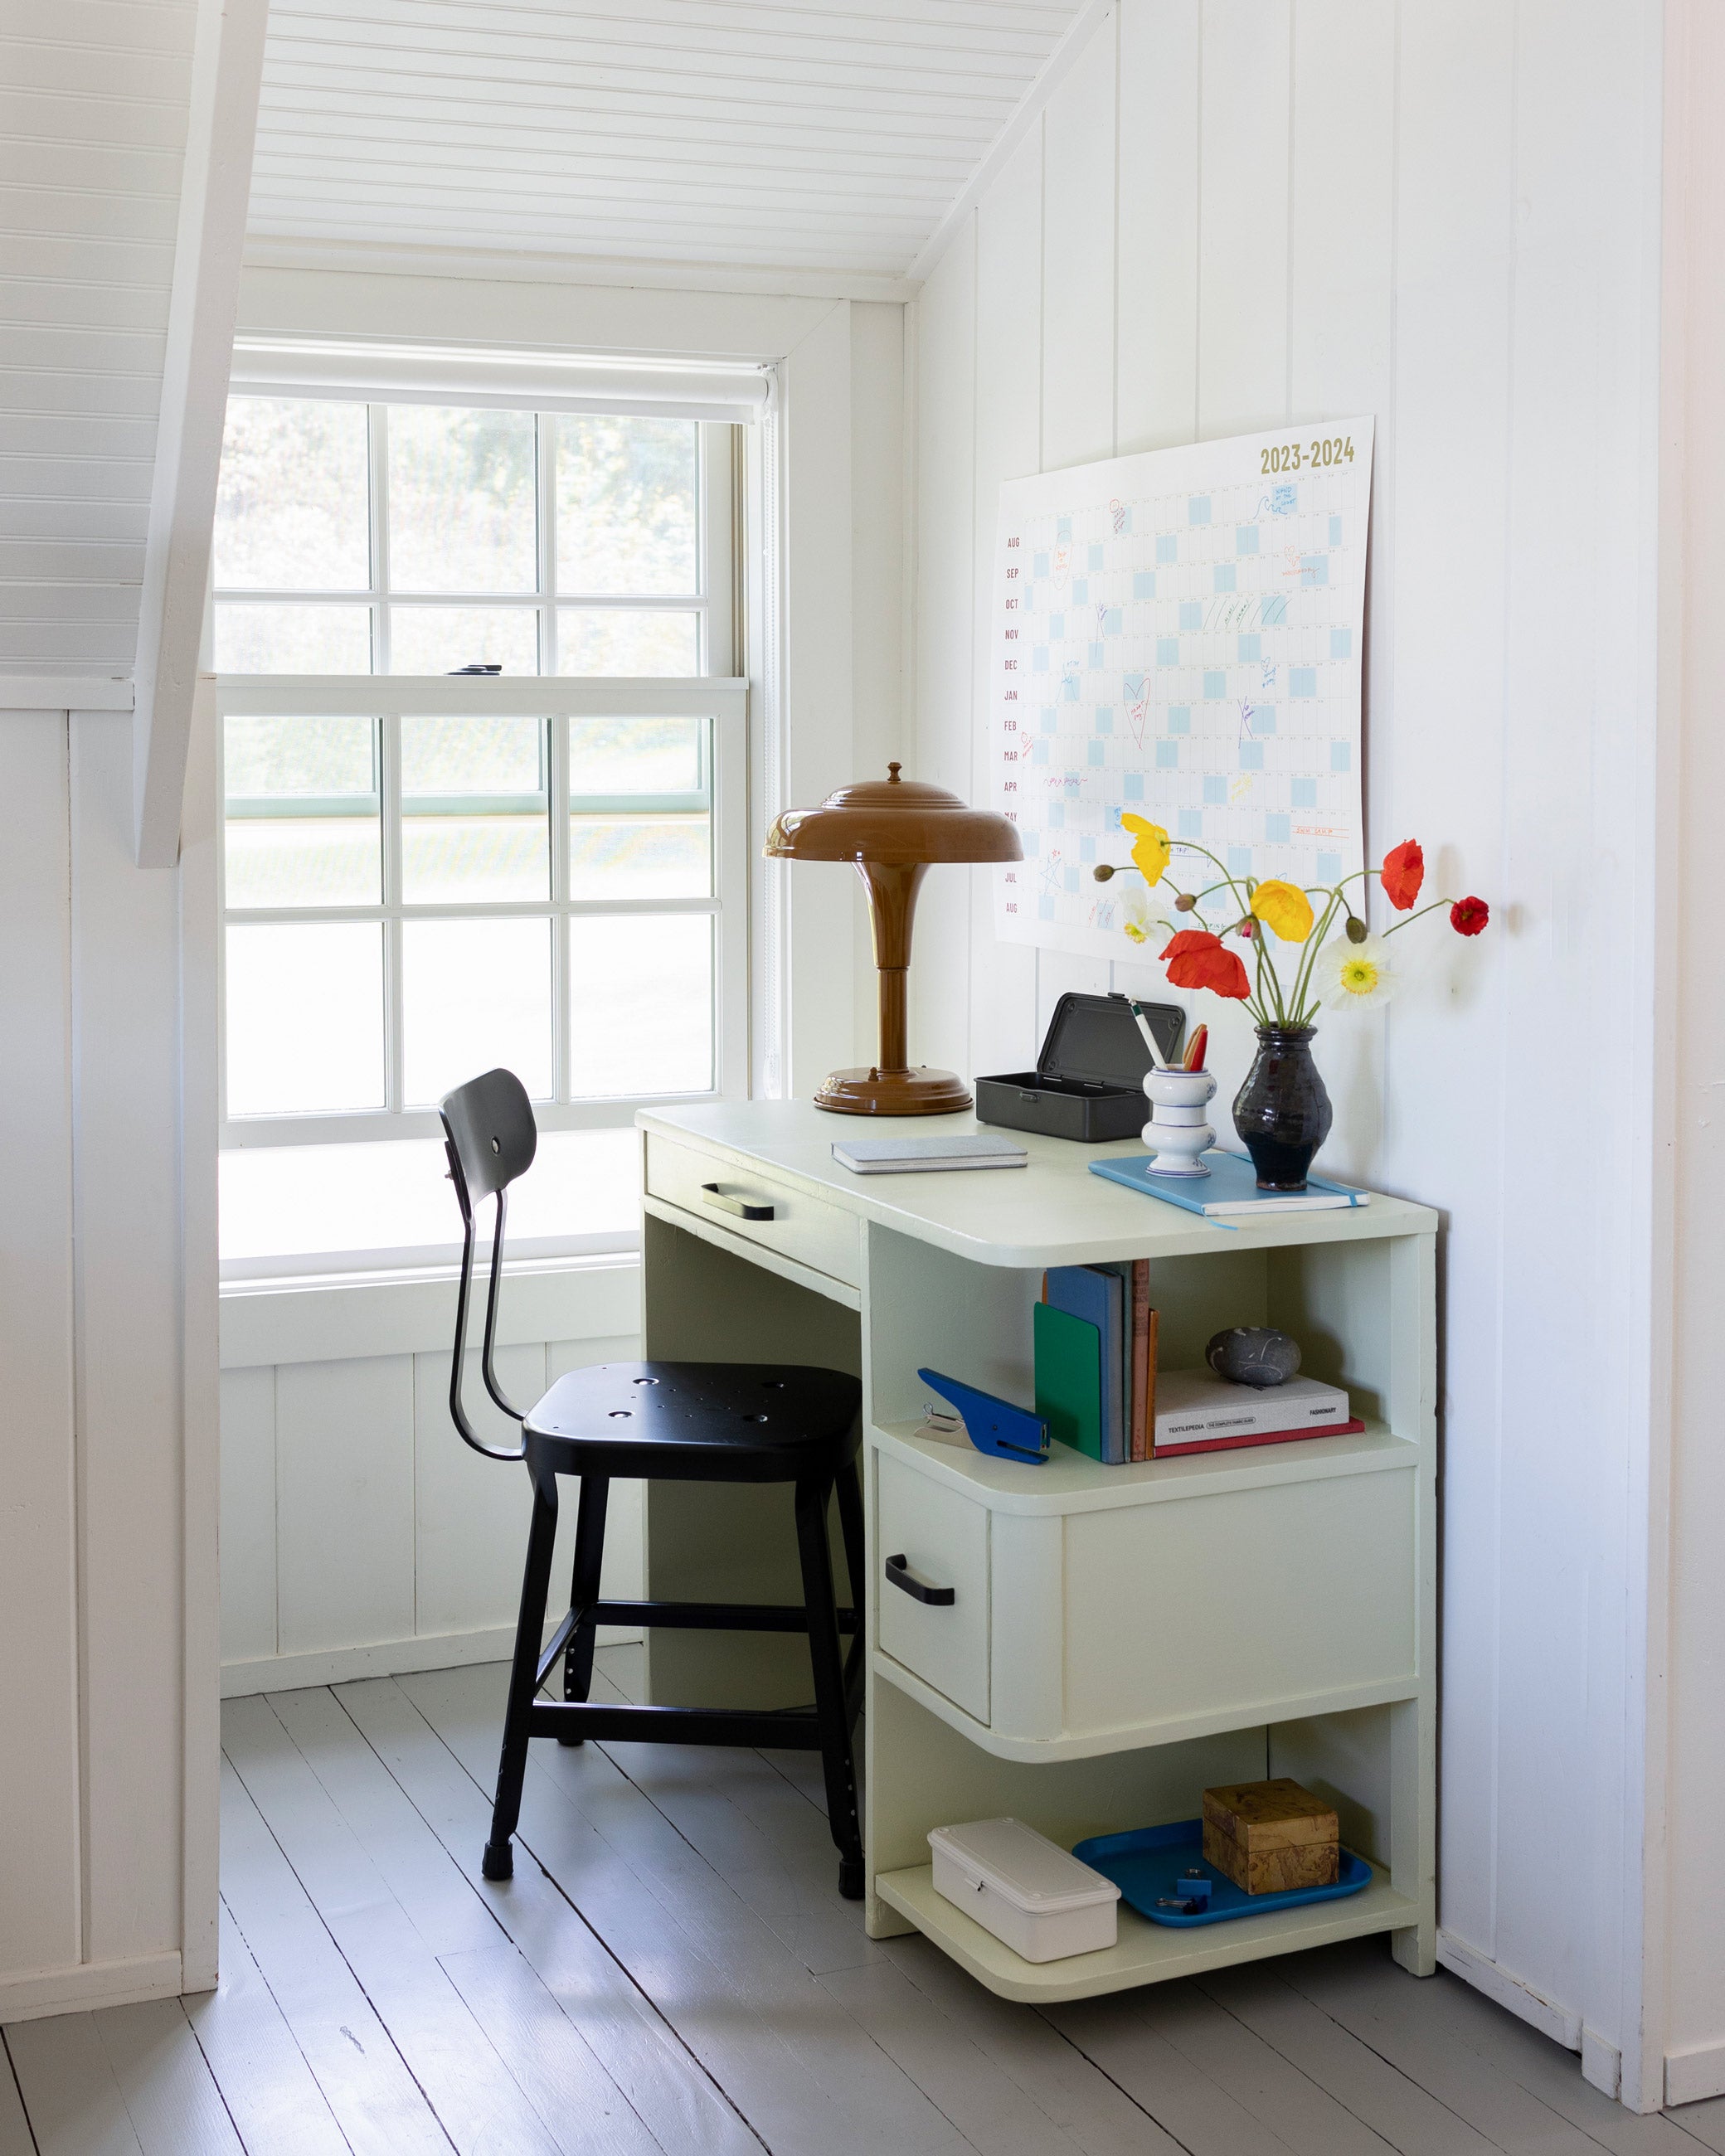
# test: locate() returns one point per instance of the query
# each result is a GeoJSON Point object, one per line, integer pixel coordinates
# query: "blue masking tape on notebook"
{"type": "Point", "coordinates": [1148, 1864]}
{"type": "Point", "coordinates": [993, 1426]}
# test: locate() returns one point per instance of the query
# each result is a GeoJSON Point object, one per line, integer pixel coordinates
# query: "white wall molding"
{"type": "Point", "coordinates": [227, 70]}
{"type": "Point", "coordinates": [1561, 2024]}
{"type": "Point", "coordinates": [88, 1985]}
{"type": "Point", "coordinates": [483, 265]}
{"type": "Point", "coordinates": [1694, 2075]}
{"type": "Point", "coordinates": [65, 692]}
{"type": "Point", "coordinates": [343, 1316]}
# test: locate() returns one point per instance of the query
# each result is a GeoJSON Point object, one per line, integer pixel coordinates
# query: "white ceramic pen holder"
{"type": "Point", "coordinates": [1178, 1131]}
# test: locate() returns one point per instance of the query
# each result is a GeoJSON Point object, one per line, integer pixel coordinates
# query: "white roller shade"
{"type": "Point", "coordinates": [538, 382]}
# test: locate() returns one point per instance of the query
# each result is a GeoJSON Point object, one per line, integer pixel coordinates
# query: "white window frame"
{"type": "Point", "coordinates": [722, 697]}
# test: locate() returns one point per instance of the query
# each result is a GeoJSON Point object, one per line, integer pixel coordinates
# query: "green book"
{"type": "Point", "coordinates": [1068, 1377]}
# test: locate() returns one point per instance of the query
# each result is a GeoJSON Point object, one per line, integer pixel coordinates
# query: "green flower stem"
{"type": "Point", "coordinates": [1409, 921]}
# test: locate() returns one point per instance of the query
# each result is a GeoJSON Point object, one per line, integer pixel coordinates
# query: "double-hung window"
{"type": "Point", "coordinates": [483, 772]}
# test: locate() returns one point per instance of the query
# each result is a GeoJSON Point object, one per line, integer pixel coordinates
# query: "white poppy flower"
{"type": "Point", "coordinates": [1353, 976]}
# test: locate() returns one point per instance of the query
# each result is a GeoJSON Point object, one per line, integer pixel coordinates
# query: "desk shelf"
{"type": "Point", "coordinates": [1145, 1953]}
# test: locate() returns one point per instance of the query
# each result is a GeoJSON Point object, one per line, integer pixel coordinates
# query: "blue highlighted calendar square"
{"type": "Point", "coordinates": [1252, 647]}
{"type": "Point", "coordinates": [1251, 756]}
{"type": "Point", "coordinates": [1144, 583]}
{"type": "Point", "coordinates": [1341, 756]}
{"type": "Point", "coordinates": [1277, 830]}
{"type": "Point", "coordinates": [1302, 792]}
{"type": "Point", "coordinates": [1095, 561]}
{"type": "Point", "coordinates": [1191, 823]}
{"type": "Point", "coordinates": [1179, 718]}
{"type": "Point", "coordinates": [1167, 756]}
{"type": "Point", "coordinates": [1225, 578]}
{"type": "Point", "coordinates": [1215, 791]}
{"type": "Point", "coordinates": [1167, 547]}
{"type": "Point", "coordinates": [1215, 685]}
{"type": "Point", "coordinates": [1133, 786]}
{"type": "Point", "coordinates": [1341, 644]}
{"type": "Point", "coordinates": [1245, 539]}
{"type": "Point", "coordinates": [1198, 509]}
{"type": "Point", "coordinates": [1314, 570]}
{"type": "Point", "coordinates": [1168, 650]}
{"type": "Point", "coordinates": [1273, 610]}
{"type": "Point", "coordinates": [1102, 718]}
{"type": "Point", "coordinates": [1191, 615]}
{"type": "Point", "coordinates": [1303, 680]}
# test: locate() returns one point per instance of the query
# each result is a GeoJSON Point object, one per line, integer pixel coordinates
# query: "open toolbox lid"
{"type": "Point", "coordinates": [1093, 1040]}
{"type": "Point", "coordinates": [1021, 1866]}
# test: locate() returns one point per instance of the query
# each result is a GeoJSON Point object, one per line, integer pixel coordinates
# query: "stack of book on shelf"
{"type": "Point", "coordinates": [1095, 1360]}
{"type": "Point", "coordinates": [1098, 1390]}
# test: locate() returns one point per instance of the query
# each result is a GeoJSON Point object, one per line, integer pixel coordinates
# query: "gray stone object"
{"type": "Point", "coordinates": [1253, 1355]}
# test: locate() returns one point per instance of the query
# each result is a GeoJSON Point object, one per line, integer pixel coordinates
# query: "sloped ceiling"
{"type": "Point", "coordinates": [94, 101]}
{"type": "Point", "coordinates": [791, 134]}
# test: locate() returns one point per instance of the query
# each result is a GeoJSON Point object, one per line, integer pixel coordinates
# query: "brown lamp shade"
{"type": "Point", "coordinates": [893, 829]}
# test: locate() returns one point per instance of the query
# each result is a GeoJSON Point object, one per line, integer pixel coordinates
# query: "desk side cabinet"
{"type": "Point", "coordinates": [1099, 1645]}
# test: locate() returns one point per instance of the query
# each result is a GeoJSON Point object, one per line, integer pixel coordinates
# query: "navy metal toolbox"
{"type": "Point", "coordinates": [1089, 1080]}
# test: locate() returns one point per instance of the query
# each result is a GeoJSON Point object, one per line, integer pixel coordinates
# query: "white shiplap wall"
{"type": "Point", "coordinates": [1445, 213]}
{"type": "Point", "coordinates": [827, 135]}
{"type": "Point", "coordinates": [94, 98]}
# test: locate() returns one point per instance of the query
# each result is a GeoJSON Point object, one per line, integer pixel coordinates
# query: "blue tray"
{"type": "Point", "coordinates": [1146, 1864]}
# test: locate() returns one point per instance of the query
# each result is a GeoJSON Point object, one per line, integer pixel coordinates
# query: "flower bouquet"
{"type": "Point", "coordinates": [1283, 1112]}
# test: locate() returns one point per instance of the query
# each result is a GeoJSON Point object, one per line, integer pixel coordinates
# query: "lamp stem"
{"type": "Point", "coordinates": [892, 903]}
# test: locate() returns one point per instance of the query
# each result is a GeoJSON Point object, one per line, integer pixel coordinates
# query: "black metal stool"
{"type": "Point", "coordinates": [687, 1422]}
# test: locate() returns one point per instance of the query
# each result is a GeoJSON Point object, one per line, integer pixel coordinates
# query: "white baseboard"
{"type": "Point", "coordinates": [385, 1658]}
{"type": "Point", "coordinates": [1601, 2064]}
{"type": "Point", "coordinates": [1560, 2023]}
{"type": "Point", "coordinates": [89, 1985]}
{"type": "Point", "coordinates": [1691, 2076]}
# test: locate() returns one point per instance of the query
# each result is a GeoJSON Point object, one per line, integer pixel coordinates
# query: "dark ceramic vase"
{"type": "Point", "coordinates": [1283, 1112]}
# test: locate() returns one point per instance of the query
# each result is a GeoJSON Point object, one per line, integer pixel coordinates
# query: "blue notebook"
{"type": "Point", "coordinates": [1230, 1189]}
{"type": "Point", "coordinates": [1099, 1297]}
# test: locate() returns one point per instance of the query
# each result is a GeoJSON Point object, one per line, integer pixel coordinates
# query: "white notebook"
{"type": "Point", "coordinates": [919, 1156]}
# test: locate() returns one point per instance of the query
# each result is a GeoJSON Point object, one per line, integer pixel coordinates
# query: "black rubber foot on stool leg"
{"type": "Point", "coordinates": [850, 1878]}
{"type": "Point", "coordinates": [564, 1740]}
{"type": "Point", "coordinates": [498, 1861]}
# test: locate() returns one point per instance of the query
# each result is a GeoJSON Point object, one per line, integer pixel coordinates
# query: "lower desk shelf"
{"type": "Point", "coordinates": [1144, 1952]}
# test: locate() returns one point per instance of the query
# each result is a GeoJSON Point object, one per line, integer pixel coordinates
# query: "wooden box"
{"type": "Point", "coordinates": [1268, 1837]}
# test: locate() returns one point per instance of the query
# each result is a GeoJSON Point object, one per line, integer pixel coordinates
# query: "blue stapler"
{"type": "Point", "coordinates": [993, 1425]}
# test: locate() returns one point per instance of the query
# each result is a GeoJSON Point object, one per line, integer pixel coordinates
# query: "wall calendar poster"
{"type": "Point", "coordinates": [1177, 634]}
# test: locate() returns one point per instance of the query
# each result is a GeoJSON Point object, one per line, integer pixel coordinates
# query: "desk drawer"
{"type": "Point", "coordinates": [943, 1539]}
{"type": "Point", "coordinates": [808, 1229]}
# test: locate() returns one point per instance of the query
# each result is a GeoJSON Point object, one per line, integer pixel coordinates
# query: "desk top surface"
{"type": "Point", "coordinates": [1052, 1212]}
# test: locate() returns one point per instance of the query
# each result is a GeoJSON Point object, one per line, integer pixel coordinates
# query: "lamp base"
{"type": "Point", "coordinates": [875, 1092]}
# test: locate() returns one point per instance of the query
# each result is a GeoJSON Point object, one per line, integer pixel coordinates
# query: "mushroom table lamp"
{"type": "Point", "coordinates": [893, 829]}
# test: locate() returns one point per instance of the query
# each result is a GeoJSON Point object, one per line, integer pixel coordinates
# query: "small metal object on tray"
{"type": "Point", "coordinates": [1153, 1868]}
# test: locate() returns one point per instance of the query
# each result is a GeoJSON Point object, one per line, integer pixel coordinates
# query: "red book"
{"type": "Point", "coordinates": [1351, 1428]}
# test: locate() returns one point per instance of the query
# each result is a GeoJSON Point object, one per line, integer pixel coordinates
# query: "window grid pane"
{"type": "Point", "coordinates": [629, 849]}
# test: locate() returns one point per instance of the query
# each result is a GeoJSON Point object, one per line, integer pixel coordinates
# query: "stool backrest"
{"type": "Point", "coordinates": [490, 1137]}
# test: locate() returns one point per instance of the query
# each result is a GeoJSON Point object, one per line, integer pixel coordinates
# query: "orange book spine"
{"type": "Point", "coordinates": [1144, 1425]}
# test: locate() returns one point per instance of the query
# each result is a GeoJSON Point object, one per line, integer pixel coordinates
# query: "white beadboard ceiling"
{"type": "Point", "coordinates": [827, 136]}
{"type": "Point", "coordinates": [93, 99]}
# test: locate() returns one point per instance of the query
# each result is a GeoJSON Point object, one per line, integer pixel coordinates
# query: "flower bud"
{"type": "Point", "coordinates": [1185, 903]}
{"type": "Point", "coordinates": [1247, 928]}
{"type": "Point", "coordinates": [1102, 871]}
{"type": "Point", "coordinates": [1356, 929]}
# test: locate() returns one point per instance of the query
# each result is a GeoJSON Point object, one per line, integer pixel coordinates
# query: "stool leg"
{"type": "Point", "coordinates": [851, 1526]}
{"type": "Point", "coordinates": [584, 1589]}
{"type": "Point", "coordinates": [822, 1613]}
{"type": "Point", "coordinates": [530, 1630]}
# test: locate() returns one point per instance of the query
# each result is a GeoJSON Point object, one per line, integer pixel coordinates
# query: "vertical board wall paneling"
{"type": "Point", "coordinates": [40, 1911]}
{"type": "Point", "coordinates": [344, 1445]}
{"type": "Point", "coordinates": [249, 1631]}
{"type": "Point", "coordinates": [126, 1161]}
{"type": "Point", "coordinates": [1078, 328]}
{"type": "Point", "coordinates": [1324, 207]}
{"type": "Point", "coordinates": [1007, 445]}
{"type": "Point", "coordinates": [470, 1514]}
{"type": "Point", "coordinates": [1453, 296]}
{"type": "Point", "coordinates": [946, 393]}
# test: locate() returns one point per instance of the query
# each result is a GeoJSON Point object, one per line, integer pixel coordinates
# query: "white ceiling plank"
{"type": "Point", "coordinates": [774, 137]}
{"type": "Point", "coordinates": [227, 75]}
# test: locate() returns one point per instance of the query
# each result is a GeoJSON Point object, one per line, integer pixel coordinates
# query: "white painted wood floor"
{"type": "Point", "coordinates": [671, 1969]}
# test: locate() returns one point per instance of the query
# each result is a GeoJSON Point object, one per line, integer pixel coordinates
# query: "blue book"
{"type": "Point", "coordinates": [1099, 1297]}
{"type": "Point", "coordinates": [1230, 1187]}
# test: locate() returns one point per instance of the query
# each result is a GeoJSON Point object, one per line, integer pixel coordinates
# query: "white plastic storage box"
{"type": "Point", "coordinates": [1024, 1888]}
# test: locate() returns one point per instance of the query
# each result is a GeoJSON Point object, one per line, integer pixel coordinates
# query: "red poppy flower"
{"type": "Point", "coordinates": [1468, 916]}
{"type": "Point", "coordinates": [1196, 959]}
{"type": "Point", "coordinates": [1403, 873]}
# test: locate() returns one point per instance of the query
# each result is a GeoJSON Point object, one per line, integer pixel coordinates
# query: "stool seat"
{"type": "Point", "coordinates": [698, 1422]}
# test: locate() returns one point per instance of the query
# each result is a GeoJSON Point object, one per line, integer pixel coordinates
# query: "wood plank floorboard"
{"type": "Point", "coordinates": [16, 2139]}
{"type": "Point", "coordinates": [271, 2093]}
{"type": "Point", "coordinates": [68, 2088]}
{"type": "Point", "coordinates": [667, 2088]}
{"type": "Point", "coordinates": [672, 1972]}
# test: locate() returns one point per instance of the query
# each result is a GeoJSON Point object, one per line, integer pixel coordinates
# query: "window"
{"type": "Point", "coordinates": [428, 871]}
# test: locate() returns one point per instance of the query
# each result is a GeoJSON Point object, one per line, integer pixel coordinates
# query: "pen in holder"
{"type": "Point", "coordinates": [1178, 1130]}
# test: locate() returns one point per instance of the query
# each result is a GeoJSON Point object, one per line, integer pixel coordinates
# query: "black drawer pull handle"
{"type": "Point", "coordinates": [711, 1194]}
{"type": "Point", "coordinates": [899, 1574]}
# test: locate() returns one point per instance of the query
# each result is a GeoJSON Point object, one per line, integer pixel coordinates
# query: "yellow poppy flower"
{"type": "Point", "coordinates": [1150, 848]}
{"type": "Point", "coordinates": [1284, 908]}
